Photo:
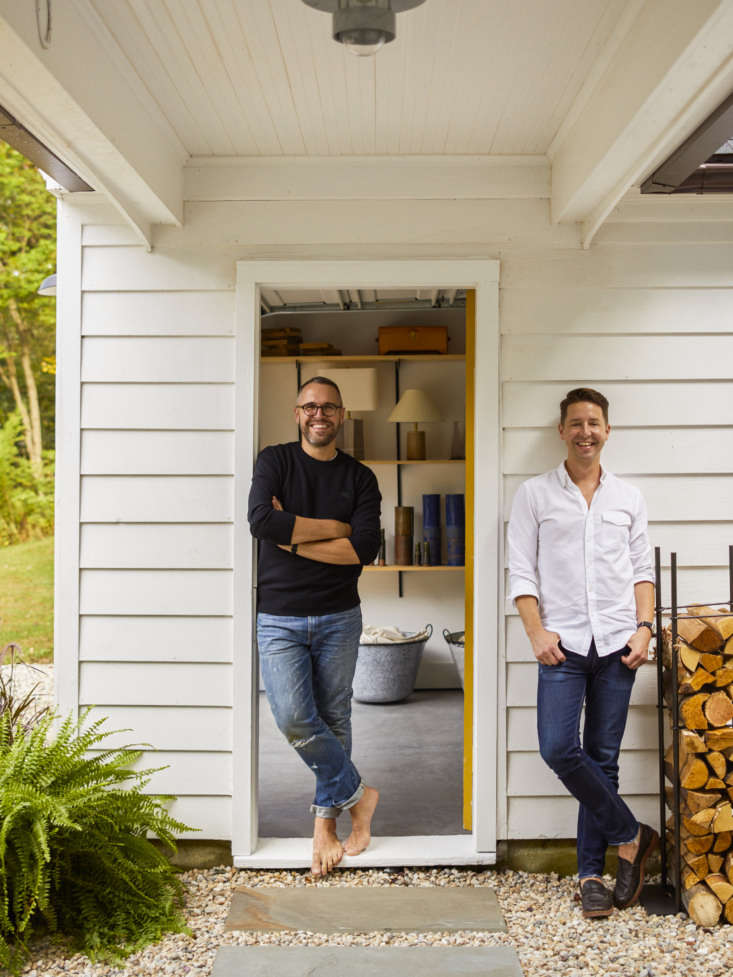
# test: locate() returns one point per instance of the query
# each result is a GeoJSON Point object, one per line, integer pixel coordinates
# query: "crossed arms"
{"type": "Point", "coordinates": [323, 540]}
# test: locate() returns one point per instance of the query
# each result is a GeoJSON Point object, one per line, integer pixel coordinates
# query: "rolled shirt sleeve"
{"type": "Point", "coordinates": [639, 546]}
{"type": "Point", "coordinates": [522, 547]}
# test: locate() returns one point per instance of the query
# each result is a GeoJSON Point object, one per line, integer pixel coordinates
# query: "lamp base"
{"type": "Point", "coordinates": [415, 445]}
{"type": "Point", "coordinates": [351, 437]}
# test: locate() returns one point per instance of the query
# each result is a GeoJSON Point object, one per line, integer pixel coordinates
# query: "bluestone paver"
{"type": "Point", "coordinates": [411, 909]}
{"type": "Point", "coordinates": [336, 961]}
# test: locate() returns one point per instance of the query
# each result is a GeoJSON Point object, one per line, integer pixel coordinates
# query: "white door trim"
{"type": "Point", "coordinates": [483, 276]}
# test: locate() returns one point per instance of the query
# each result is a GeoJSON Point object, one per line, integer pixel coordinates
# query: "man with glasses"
{"type": "Point", "coordinates": [316, 512]}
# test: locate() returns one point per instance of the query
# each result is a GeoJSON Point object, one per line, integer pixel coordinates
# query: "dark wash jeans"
{"type": "Point", "coordinates": [590, 771]}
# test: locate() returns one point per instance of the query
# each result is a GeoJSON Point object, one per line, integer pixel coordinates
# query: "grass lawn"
{"type": "Point", "coordinates": [26, 598]}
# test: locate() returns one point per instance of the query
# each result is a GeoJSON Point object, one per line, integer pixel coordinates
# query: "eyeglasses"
{"type": "Point", "coordinates": [310, 410]}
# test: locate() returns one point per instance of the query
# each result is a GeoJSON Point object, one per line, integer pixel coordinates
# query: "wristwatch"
{"type": "Point", "coordinates": [294, 548]}
{"type": "Point", "coordinates": [645, 624]}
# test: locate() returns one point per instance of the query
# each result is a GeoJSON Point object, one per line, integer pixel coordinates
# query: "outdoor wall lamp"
{"type": "Point", "coordinates": [363, 26]}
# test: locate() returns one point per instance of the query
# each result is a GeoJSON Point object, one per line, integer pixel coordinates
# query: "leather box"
{"type": "Point", "coordinates": [413, 339]}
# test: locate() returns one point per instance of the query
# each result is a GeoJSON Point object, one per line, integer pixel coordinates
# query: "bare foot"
{"type": "Point", "coordinates": [361, 822]}
{"type": "Point", "coordinates": [327, 849]}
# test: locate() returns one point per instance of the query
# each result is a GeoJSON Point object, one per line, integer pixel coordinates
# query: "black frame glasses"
{"type": "Point", "coordinates": [311, 410]}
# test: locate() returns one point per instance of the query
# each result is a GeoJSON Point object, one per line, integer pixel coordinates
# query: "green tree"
{"type": "Point", "coordinates": [27, 320]}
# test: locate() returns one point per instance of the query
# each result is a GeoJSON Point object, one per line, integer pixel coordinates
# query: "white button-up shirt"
{"type": "Point", "coordinates": [581, 562]}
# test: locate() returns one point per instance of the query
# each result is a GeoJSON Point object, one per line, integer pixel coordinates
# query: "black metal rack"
{"type": "Point", "coordinates": [667, 898]}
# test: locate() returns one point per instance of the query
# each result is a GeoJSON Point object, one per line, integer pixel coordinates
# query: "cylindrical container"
{"type": "Point", "coordinates": [426, 554]}
{"type": "Point", "coordinates": [403, 550]}
{"type": "Point", "coordinates": [387, 673]}
{"type": "Point", "coordinates": [382, 558]}
{"type": "Point", "coordinates": [418, 555]}
{"type": "Point", "coordinates": [404, 520]}
{"type": "Point", "coordinates": [455, 529]}
{"type": "Point", "coordinates": [431, 529]}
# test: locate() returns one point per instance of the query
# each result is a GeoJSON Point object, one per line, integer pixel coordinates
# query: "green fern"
{"type": "Point", "coordinates": [74, 847]}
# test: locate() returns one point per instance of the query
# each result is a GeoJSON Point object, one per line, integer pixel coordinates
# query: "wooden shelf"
{"type": "Point", "coordinates": [367, 358]}
{"type": "Point", "coordinates": [406, 461]}
{"type": "Point", "coordinates": [398, 568]}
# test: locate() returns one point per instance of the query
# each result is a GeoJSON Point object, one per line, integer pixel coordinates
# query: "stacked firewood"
{"type": "Point", "coordinates": [705, 698]}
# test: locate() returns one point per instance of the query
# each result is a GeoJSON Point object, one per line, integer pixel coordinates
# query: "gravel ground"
{"type": "Point", "coordinates": [544, 923]}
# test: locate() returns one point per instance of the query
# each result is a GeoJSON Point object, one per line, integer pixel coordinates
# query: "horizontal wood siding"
{"type": "Point", "coordinates": [157, 507]}
{"type": "Point", "coordinates": [645, 315]}
{"type": "Point", "coordinates": [652, 328]}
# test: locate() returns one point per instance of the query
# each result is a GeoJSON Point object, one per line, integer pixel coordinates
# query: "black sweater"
{"type": "Point", "coordinates": [342, 489]}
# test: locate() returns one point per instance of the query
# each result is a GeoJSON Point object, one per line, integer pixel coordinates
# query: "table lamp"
{"type": "Point", "coordinates": [358, 393]}
{"type": "Point", "coordinates": [414, 407]}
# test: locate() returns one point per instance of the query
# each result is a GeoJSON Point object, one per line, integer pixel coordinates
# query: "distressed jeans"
{"type": "Point", "coordinates": [308, 667]}
{"type": "Point", "coordinates": [590, 771]}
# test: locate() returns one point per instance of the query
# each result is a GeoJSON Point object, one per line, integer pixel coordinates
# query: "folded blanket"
{"type": "Point", "coordinates": [392, 635]}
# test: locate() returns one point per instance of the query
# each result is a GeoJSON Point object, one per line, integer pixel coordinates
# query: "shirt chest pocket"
{"type": "Point", "coordinates": [615, 527]}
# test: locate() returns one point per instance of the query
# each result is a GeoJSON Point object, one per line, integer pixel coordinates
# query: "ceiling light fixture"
{"type": "Point", "coordinates": [364, 26]}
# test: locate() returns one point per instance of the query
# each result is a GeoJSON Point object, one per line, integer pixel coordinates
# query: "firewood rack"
{"type": "Point", "coordinates": [667, 897]}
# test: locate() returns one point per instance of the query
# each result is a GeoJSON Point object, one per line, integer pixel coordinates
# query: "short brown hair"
{"type": "Point", "coordinates": [583, 395]}
{"type": "Point", "coordinates": [324, 381]}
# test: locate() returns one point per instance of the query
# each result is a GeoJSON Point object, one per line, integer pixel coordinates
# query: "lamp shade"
{"type": "Point", "coordinates": [358, 387]}
{"type": "Point", "coordinates": [414, 406]}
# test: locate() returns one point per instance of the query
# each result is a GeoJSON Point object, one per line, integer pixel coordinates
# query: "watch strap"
{"type": "Point", "coordinates": [294, 548]}
{"type": "Point", "coordinates": [645, 624]}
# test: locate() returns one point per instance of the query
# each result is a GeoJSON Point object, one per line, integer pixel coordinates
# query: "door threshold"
{"type": "Point", "coordinates": [398, 850]}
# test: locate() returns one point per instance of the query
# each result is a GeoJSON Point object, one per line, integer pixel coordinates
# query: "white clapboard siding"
{"type": "Point", "coordinates": [529, 776]}
{"type": "Point", "coordinates": [127, 269]}
{"type": "Point", "coordinates": [209, 817]}
{"type": "Point", "coordinates": [200, 498]}
{"type": "Point", "coordinates": [558, 311]}
{"type": "Point", "coordinates": [158, 313]}
{"type": "Point", "coordinates": [154, 684]}
{"type": "Point", "coordinates": [147, 359]}
{"type": "Point", "coordinates": [641, 729]}
{"type": "Point", "coordinates": [669, 498]}
{"type": "Point", "coordinates": [157, 453]}
{"type": "Point", "coordinates": [206, 592]}
{"type": "Point", "coordinates": [187, 772]}
{"type": "Point", "coordinates": [167, 727]}
{"type": "Point", "coordinates": [618, 266]}
{"type": "Point", "coordinates": [565, 358]}
{"type": "Point", "coordinates": [150, 406]}
{"type": "Point", "coordinates": [628, 450]}
{"type": "Point", "coordinates": [521, 682]}
{"type": "Point", "coordinates": [155, 639]}
{"type": "Point", "coordinates": [557, 817]}
{"type": "Point", "coordinates": [701, 544]}
{"type": "Point", "coordinates": [156, 546]}
{"type": "Point", "coordinates": [702, 404]}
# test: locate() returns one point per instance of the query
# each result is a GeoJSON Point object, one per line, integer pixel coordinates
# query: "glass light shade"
{"type": "Point", "coordinates": [363, 50]}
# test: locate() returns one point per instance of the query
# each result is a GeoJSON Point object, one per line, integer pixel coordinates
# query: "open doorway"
{"type": "Point", "coordinates": [421, 737]}
{"type": "Point", "coordinates": [407, 739]}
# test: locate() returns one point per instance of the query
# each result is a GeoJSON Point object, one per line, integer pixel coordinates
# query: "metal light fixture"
{"type": "Point", "coordinates": [364, 26]}
{"type": "Point", "coordinates": [48, 285]}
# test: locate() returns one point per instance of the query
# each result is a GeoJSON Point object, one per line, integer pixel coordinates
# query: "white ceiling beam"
{"type": "Point", "coordinates": [673, 67]}
{"type": "Point", "coordinates": [366, 178]}
{"type": "Point", "coordinates": [83, 99]}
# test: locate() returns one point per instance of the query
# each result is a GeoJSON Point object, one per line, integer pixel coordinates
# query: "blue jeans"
{"type": "Point", "coordinates": [589, 772]}
{"type": "Point", "coordinates": [308, 666]}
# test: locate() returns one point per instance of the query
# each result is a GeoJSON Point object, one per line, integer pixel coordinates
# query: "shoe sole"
{"type": "Point", "coordinates": [597, 913]}
{"type": "Point", "coordinates": [652, 846]}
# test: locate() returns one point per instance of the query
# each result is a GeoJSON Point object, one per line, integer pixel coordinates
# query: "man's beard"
{"type": "Point", "coordinates": [319, 439]}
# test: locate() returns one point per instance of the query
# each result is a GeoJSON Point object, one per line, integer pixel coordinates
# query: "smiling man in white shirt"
{"type": "Point", "coordinates": [581, 579]}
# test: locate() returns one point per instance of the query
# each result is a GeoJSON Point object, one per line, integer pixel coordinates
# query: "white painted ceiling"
{"type": "Point", "coordinates": [264, 77]}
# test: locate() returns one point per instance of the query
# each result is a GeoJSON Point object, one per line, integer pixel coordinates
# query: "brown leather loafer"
{"type": "Point", "coordinates": [630, 875]}
{"type": "Point", "coordinates": [595, 899]}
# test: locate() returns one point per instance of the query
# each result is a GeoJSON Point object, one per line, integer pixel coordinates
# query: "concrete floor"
{"type": "Point", "coordinates": [412, 751]}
